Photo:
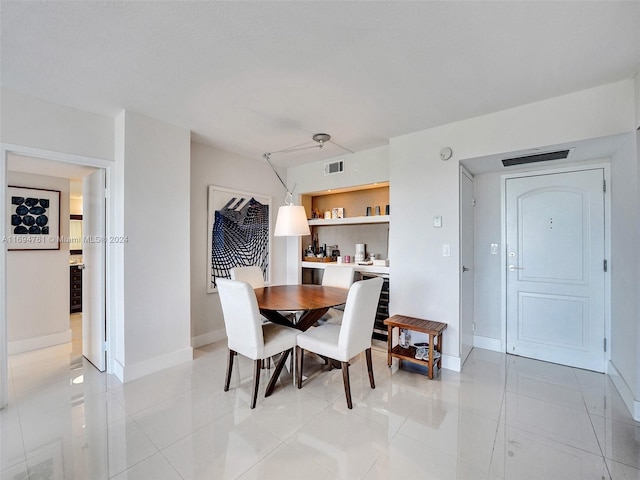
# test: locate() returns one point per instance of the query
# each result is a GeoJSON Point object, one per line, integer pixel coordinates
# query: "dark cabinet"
{"type": "Point", "coordinates": [75, 290]}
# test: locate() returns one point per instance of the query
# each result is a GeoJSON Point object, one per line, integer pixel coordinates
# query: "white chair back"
{"type": "Point", "coordinates": [242, 318]}
{"type": "Point", "coordinates": [359, 316]}
{"type": "Point", "coordinates": [338, 276]}
{"type": "Point", "coordinates": [252, 275]}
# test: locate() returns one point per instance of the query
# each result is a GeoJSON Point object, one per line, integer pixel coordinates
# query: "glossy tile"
{"type": "Point", "coordinates": [287, 462]}
{"type": "Point", "coordinates": [620, 441]}
{"type": "Point", "coordinates": [153, 468]}
{"type": "Point", "coordinates": [521, 455]}
{"type": "Point", "coordinates": [345, 444]}
{"type": "Point", "coordinates": [620, 471]}
{"type": "Point", "coordinates": [502, 417]}
{"type": "Point", "coordinates": [406, 458]}
{"type": "Point", "coordinates": [12, 450]}
{"type": "Point", "coordinates": [555, 422]}
{"type": "Point", "coordinates": [223, 449]}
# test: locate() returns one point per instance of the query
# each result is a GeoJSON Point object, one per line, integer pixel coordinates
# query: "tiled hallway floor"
{"type": "Point", "coordinates": [503, 417]}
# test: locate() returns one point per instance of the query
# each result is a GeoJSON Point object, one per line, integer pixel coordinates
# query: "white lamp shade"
{"type": "Point", "coordinates": [291, 222]}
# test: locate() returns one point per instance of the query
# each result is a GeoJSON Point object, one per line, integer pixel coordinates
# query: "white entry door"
{"type": "Point", "coordinates": [466, 261]}
{"type": "Point", "coordinates": [93, 275]}
{"type": "Point", "coordinates": [555, 268]}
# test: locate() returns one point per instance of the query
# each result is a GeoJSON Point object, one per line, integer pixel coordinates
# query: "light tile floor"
{"type": "Point", "coordinates": [503, 417]}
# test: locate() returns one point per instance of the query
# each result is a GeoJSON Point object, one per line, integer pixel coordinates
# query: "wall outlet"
{"type": "Point", "coordinates": [437, 222]}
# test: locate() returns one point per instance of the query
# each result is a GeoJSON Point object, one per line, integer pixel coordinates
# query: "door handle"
{"type": "Point", "coordinates": [465, 269]}
{"type": "Point", "coordinates": [513, 268]}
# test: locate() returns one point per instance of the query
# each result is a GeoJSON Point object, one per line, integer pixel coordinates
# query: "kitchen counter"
{"type": "Point", "coordinates": [359, 268]}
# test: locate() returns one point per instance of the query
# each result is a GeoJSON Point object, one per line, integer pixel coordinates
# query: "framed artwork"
{"type": "Point", "coordinates": [34, 219]}
{"type": "Point", "coordinates": [238, 226]}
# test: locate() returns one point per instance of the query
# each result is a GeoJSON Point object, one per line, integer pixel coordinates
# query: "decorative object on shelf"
{"type": "Point", "coordinates": [34, 219]}
{"type": "Point", "coordinates": [337, 212]}
{"type": "Point", "coordinates": [359, 252]}
{"type": "Point", "coordinates": [368, 214]}
{"type": "Point", "coordinates": [238, 232]}
{"type": "Point", "coordinates": [292, 219]}
{"type": "Point", "coordinates": [377, 209]}
{"type": "Point", "coordinates": [386, 209]}
{"type": "Point", "coordinates": [327, 215]}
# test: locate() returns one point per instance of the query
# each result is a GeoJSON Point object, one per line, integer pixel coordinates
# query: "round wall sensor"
{"type": "Point", "coordinates": [446, 153]}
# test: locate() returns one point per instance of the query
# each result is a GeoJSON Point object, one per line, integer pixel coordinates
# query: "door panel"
{"type": "Point", "coordinates": [555, 276]}
{"type": "Point", "coordinates": [467, 270]}
{"type": "Point", "coordinates": [93, 277]}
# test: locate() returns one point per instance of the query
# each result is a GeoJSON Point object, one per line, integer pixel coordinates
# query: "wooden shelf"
{"type": "Point", "coordinates": [350, 220]}
{"type": "Point", "coordinates": [433, 329]}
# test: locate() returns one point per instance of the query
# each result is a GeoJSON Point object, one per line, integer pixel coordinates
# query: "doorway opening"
{"type": "Point", "coordinates": [22, 164]}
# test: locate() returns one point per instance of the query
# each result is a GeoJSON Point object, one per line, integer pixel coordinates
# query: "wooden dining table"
{"type": "Point", "coordinates": [312, 301]}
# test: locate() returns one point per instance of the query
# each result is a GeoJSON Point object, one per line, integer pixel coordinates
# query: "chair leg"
{"type": "Point", "coordinates": [299, 355]}
{"type": "Point", "coordinates": [347, 386]}
{"type": "Point", "coordinates": [367, 353]}
{"type": "Point", "coordinates": [256, 382]}
{"type": "Point", "coordinates": [277, 371]}
{"type": "Point", "coordinates": [227, 380]}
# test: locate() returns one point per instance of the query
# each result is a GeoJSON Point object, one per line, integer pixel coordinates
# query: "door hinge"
{"type": "Point", "coordinates": [605, 344]}
{"type": "Point", "coordinates": [606, 265]}
{"type": "Point", "coordinates": [604, 186]}
{"type": "Point", "coordinates": [473, 202]}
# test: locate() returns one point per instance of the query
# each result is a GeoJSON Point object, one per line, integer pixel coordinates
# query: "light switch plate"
{"type": "Point", "coordinates": [494, 249]}
{"type": "Point", "coordinates": [446, 250]}
{"type": "Point", "coordinates": [437, 222]}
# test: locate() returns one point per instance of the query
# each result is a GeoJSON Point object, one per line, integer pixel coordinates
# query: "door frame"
{"type": "Point", "coordinates": [107, 165]}
{"type": "Point", "coordinates": [466, 173]}
{"type": "Point", "coordinates": [606, 167]}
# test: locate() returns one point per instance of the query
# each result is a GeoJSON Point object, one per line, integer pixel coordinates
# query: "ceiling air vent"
{"type": "Point", "coordinates": [538, 157]}
{"type": "Point", "coordinates": [334, 167]}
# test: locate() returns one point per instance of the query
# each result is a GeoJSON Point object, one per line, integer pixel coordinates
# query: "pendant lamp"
{"type": "Point", "coordinates": [292, 219]}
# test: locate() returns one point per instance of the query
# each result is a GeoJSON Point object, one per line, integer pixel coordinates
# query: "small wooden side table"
{"type": "Point", "coordinates": [433, 329]}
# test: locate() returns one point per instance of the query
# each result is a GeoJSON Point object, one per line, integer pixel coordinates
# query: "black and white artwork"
{"type": "Point", "coordinates": [238, 232]}
{"type": "Point", "coordinates": [34, 219]}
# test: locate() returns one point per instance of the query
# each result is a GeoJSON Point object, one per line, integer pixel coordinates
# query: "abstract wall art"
{"type": "Point", "coordinates": [238, 232]}
{"type": "Point", "coordinates": [34, 219]}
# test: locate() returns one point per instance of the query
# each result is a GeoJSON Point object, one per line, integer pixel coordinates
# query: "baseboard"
{"type": "Point", "coordinates": [451, 363]}
{"type": "Point", "coordinates": [127, 373]}
{"type": "Point", "coordinates": [625, 392]}
{"type": "Point", "coordinates": [208, 338]}
{"type": "Point", "coordinates": [488, 343]}
{"type": "Point", "coordinates": [36, 343]}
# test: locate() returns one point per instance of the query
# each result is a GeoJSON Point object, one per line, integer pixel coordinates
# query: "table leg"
{"type": "Point", "coordinates": [389, 343]}
{"type": "Point", "coordinates": [276, 317]}
{"type": "Point", "coordinates": [431, 349]}
{"type": "Point", "coordinates": [309, 317]}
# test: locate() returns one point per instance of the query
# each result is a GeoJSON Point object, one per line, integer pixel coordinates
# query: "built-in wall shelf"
{"type": "Point", "coordinates": [350, 220]}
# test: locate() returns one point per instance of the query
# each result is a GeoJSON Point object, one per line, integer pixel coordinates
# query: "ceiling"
{"type": "Point", "coordinates": [254, 77]}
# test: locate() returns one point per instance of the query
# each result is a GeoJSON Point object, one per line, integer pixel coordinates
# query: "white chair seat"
{"type": "Point", "coordinates": [323, 340]}
{"type": "Point", "coordinates": [345, 341]}
{"type": "Point", "coordinates": [247, 335]}
{"type": "Point", "coordinates": [278, 338]}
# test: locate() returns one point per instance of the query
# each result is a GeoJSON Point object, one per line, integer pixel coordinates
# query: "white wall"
{"type": "Point", "coordinates": [422, 186]}
{"type": "Point", "coordinates": [38, 286]}
{"type": "Point", "coordinates": [153, 186]}
{"type": "Point", "coordinates": [360, 168]}
{"type": "Point", "coordinates": [211, 166]}
{"type": "Point", "coordinates": [625, 275]}
{"type": "Point", "coordinates": [488, 268]}
{"type": "Point", "coordinates": [32, 122]}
